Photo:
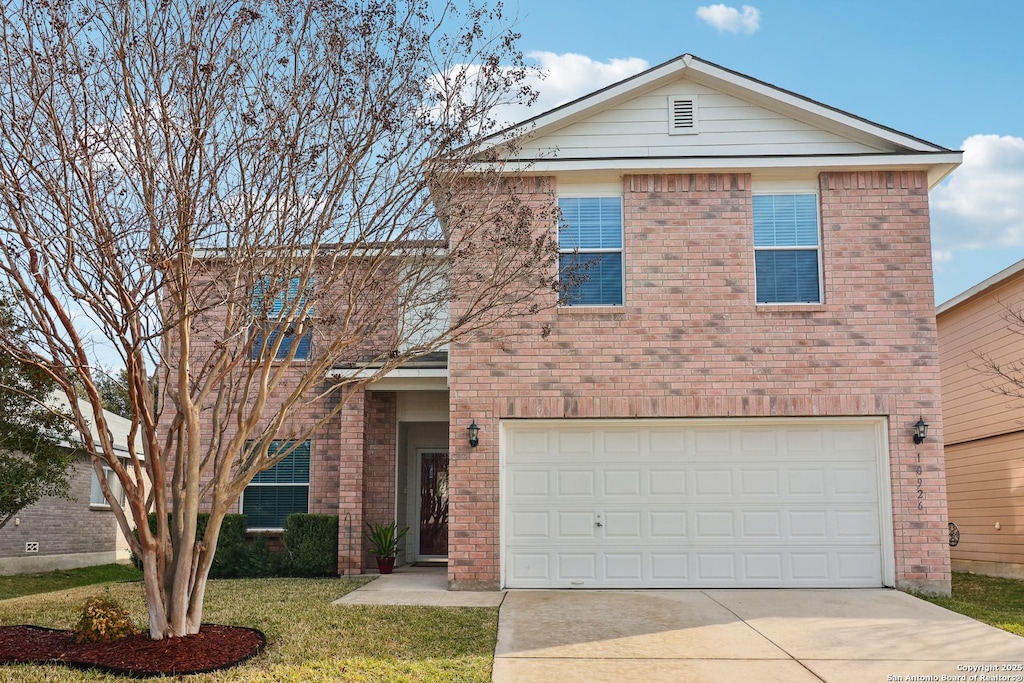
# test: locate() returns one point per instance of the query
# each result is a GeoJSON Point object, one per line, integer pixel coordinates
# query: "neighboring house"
{"type": "Point", "coordinates": [58, 533]}
{"type": "Point", "coordinates": [728, 401]}
{"type": "Point", "coordinates": [984, 428]}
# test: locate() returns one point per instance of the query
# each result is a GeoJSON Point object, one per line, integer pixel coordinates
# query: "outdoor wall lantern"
{"type": "Point", "coordinates": [474, 434]}
{"type": "Point", "coordinates": [920, 430]}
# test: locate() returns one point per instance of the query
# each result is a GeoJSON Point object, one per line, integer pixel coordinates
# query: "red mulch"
{"type": "Point", "coordinates": [213, 648]}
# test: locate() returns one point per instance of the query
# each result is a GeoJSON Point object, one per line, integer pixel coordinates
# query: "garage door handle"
{"type": "Point", "coordinates": [598, 524]}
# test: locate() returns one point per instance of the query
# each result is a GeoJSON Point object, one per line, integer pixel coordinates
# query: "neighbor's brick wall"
{"type": "Point", "coordinates": [690, 342]}
{"type": "Point", "coordinates": [63, 527]}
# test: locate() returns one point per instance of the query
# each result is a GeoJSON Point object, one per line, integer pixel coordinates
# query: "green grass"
{"type": "Point", "coordinates": [308, 638]}
{"type": "Point", "coordinates": [30, 584]}
{"type": "Point", "coordinates": [994, 601]}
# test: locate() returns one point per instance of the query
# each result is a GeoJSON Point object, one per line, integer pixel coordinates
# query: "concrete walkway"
{"type": "Point", "coordinates": [418, 586]}
{"type": "Point", "coordinates": [794, 636]}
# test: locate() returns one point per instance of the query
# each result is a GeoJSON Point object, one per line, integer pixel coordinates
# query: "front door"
{"type": "Point", "coordinates": [433, 504]}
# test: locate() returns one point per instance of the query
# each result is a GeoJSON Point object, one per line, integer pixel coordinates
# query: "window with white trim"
{"type": "Point", "coordinates": [281, 317]}
{"type": "Point", "coordinates": [274, 494]}
{"type": "Point", "coordinates": [590, 246]}
{"type": "Point", "coordinates": [96, 498]}
{"type": "Point", "coordinates": [787, 255]}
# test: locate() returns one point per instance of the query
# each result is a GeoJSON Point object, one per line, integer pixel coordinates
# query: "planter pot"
{"type": "Point", "coordinates": [386, 564]}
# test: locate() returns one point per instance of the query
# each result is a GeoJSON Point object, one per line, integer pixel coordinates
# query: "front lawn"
{"type": "Point", "coordinates": [28, 584]}
{"type": "Point", "coordinates": [308, 638]}
{"type": "Point", "coordinates": [998, 602]}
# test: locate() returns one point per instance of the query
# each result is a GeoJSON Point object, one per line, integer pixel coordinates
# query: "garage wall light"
{"type": "Point", "coordinates": [920, 430]}
{"type": "Point", "coordinates": [474, 434]}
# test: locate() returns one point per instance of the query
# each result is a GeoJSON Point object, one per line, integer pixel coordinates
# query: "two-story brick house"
{"type": "Point", "coordinates": [729, 398]}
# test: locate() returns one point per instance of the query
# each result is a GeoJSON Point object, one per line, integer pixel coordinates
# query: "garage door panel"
{"type": "Point", "coordinates": [577, 566]}
{"type": "Point", "coordinates": [704, 506]}
{"type": "Point", "coordinates": [529, 525]}
{"type": "Point", "coordinates": [621, 482]}
{"type": "Point", "coordinates": [712, 482]}
{"type": "Point", "coordinates": [666, 482]}
{"type": "Point", "coordinates": [759, 524]}
{"type": "Point", "coordinates": [760, 482]}
{"type": "Point", "coordinates": [526, 483]}
{"type": "Point", "coordinates": [575, 524]}
{"type": "Point", "coordinates": [623, 566]}
{"type": "Point", "coordinates": [575, 482]}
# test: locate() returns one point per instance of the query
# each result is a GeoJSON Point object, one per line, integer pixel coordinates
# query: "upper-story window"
{"type": "Point", "coordinates": [590, 242]}
{"type": "Point", "coordinates": [281, 317]}
{"type": "Point", "coordinates": [787, 257]}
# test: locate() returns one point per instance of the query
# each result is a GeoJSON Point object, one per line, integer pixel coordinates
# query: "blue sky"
{"type": "Point", "coordinates": [949, 72]}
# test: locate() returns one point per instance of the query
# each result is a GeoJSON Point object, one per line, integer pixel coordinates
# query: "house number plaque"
{"type": "Point", "coordinates": [920, 482]}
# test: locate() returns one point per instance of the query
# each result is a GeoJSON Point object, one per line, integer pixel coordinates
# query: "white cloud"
{"type": "Point", "coordinates": [567, 77]}
{"type": "Point", "coordinates": [981, 205]}
{"type": "Point", "coordinates": [730, 19]}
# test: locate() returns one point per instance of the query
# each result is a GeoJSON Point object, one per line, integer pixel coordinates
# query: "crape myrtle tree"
{"type": "Point", "coordinates": [206, 188]}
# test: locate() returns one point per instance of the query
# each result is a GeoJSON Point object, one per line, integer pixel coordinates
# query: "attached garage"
{"type": "Point", "coordinates": [696, 503]}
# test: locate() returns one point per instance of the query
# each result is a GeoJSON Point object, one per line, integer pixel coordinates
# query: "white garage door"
{"type": "Point", "coordinates": [692, 503]}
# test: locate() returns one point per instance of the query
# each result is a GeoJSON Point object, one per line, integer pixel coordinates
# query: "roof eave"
{"type": "Point", "coordinates": [937, 164]}
{"type": "Point", "coordinates": [996, 280]}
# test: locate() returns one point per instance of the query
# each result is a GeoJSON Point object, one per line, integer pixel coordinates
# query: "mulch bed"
{"type": "Point", "coordinates": [213, 648]}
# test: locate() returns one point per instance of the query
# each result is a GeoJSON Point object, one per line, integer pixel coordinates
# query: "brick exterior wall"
{"type": "Point", "coordinates": [690, 342]}
{"type": "Point", "coordinates": [380, 448]}
{"type": "Point", "coordinates": [65, 526]}
{"type": "Point", "coordinates": [344, 450]}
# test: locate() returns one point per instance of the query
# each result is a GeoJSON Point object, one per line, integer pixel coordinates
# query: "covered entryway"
{"type": "Point", "coordinates": [686, 503]}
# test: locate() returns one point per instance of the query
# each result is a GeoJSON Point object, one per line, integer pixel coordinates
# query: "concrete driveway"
{"type": "Point", "coordinates": [744, 635]}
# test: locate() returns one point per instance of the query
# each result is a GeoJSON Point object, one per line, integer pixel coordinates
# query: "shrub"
{"type": "Point", "coordinates": [103, 619]}
{"type": "Point", "coordinates": [235, 557]}
{"type": "Point", "coordinates": [311, 545]}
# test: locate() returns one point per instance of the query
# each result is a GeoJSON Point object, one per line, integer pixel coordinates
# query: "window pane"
{"type": "Point", "coordinates": [281, 294]}
{"type": "Point", "coordinates": [787, 276]}
{"type": "Point", "coordinates": [305, 343]}
{"type": "Point", "coordinates": [590, 223]}
{"type": "Point", "coordinates": [266, 507]}
{"type": "Point", "coordinates": [786, 220]}
{"type": "Point", "coordinates": [292, 470]}
{"type": "Point", "coordinates": [96, 493]}
{"type": "Point", "coordinates": [592, 279]}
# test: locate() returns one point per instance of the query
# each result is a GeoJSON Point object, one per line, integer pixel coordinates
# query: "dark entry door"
{"type": "Point", "coordinates": [433, 504]}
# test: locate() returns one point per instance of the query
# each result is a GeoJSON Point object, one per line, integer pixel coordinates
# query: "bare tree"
{"type": "Point", "coordinates": [213, 190]}
{"type": "Point", "coordinates": [1005, 375]}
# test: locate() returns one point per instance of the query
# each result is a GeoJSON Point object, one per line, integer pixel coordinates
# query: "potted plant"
{"type": "Point", "coordinates": [384, 540]}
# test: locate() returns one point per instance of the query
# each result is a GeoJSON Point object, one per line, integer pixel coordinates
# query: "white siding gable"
{"type": "Point", "coordinates": [728, 126]}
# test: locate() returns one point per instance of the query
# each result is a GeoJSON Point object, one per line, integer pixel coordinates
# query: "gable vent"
{"type": "Point", "coordinates": [682, 115]}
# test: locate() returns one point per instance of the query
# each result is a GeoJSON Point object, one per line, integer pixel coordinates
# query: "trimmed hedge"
{"type": "Point", "coordinates": [310, 548]}
{"type": "Point", "coordinates": [311, 545]}
{"type": "Point", "coordinates": [235, 557]}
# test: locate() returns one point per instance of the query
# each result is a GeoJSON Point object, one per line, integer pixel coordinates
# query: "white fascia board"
{"type": "Point", "coordinates": [982, 286]}
{"type": "Point", "coordinates": [938, 165]}
{"type": "Point", "coordinates": [400, 379]}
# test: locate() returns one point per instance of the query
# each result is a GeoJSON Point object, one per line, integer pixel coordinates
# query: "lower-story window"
{"type": "Point", "coordinates": [96, 497]}
{"type": "Point", "coordinates": [278, 492]}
